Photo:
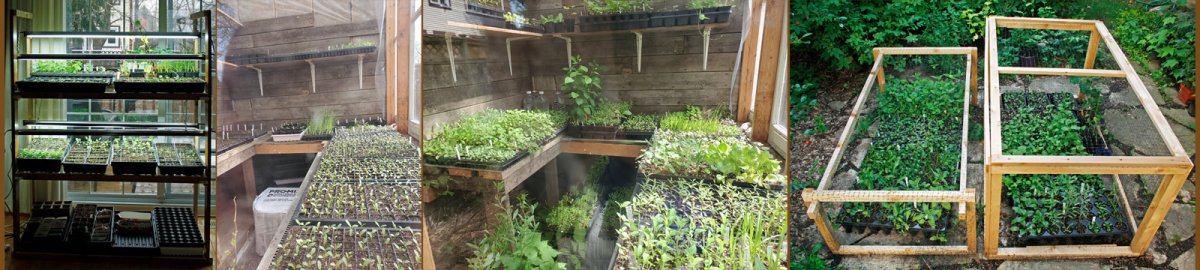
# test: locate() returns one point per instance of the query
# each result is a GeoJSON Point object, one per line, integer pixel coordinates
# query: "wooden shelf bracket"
{"type": "Point", "coordinates": [260, 83]}
{"type": "Point", "coordinates": [312, 71]}
{"type": "Point", "coordinates": [450, 54]}
{"type": "Point", "coordinates": [707, 34]}
{"type": "Point", "coordinates": [639, 50]}
{"type": "Point", "coordinates": [508, 50]}
{"type": "Point", "coordinates": [568, 40]}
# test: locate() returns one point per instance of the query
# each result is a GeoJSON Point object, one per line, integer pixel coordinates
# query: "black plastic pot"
{"type": "Point", "coordinates": [1027, 57]}
{"type": "Point", "coordinates": [716, 14]}
{"type": "Point", "coordinates": [566, 26]}
{"type": "Point", "coordinates": [484, 15]}
{"type": "Point", "coordinates": [525, 27]}
{"type": "Point", "coordinates": [643, 135]}
{"type": "Point", "coordinates": [158, 87]}
{"type": "Point", "coordinates": [134, 168]}
{"type": "Point", "coordinates": [598, 132]}
{"type": "Point", "coordinates": [610, 22]}
{"type": "Point", "coordinates": [674, 18]}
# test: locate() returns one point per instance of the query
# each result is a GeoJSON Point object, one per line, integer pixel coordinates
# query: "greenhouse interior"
{"type": "Point", "coordinates": [315, 146]}
{"type": "Point", "coordinates": [604, 134]}
{"type": "Point", "coordinates": [110, 122]}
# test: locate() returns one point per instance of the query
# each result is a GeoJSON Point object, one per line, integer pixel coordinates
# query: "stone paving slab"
{"type": "Point", "coordinates": [1133, 128]}
{"type": "Point", "coordinates": [1052, 265]}
{"type": "Point", "coordinates": [1180, 223]}
{"type": "Point", "coordinates": [1185, 261]}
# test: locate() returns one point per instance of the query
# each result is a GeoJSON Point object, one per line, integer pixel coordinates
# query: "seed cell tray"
{"type": "Point", "coordinates": [159, 87]}
{"type": "Point", "coordinates": [134, 244]}
{"type": "Point", "coordinates": [675, 18]}
{"type": "Point", "coordinates": [610, 22]}
{"type": "Point", "coordinates": [39, 165]}
{"type": "Point", "coordinates": [641, 135]}
{"type": "Point", "coordinates": [880, 223]}
{"type": "Point", "coordinates": [1082, 235]}
{"type": "Point", "coordinates": [316, 137]}
{"type": "Point", "coordinates": [51, 209]}
{"type": "Point", "coordinates": [134, 168]}
{"type": "Point", "coordinates": [87, 168]}
{"type": "Point", "coordinates": [713, 181]}
{"type": "Point", "coordinates": [44, 234]}
{"type": "Point", "coordinates": [716, 14]}
{"type": "Point", "coordinates": [103, 227]}
{"type": "Point", "coordinates": [176, 232]}
{"type": "Point", "coordinates": [175, 166]}
{"type": "Point", "coordinates": [62, 87]}
{"type": "Point", "coordinates": [83, 218]}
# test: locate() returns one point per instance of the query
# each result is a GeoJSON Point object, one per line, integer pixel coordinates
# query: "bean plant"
{"type": "Point", "coordinates": [516, 242]}
{"type": "Point", "coordinates": [491, 136]}
{"type": "Point", "coordinates": [348, 247]}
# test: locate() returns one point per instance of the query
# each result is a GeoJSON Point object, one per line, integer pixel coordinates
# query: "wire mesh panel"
{"type": "Point", "coordinates": [897, 179]}
{"type": "Point", "coordinates": [1070, 124]}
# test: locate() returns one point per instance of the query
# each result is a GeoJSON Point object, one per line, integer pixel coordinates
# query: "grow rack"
{"type": "Point", "coordinates": [1174, 167]}
{"type": "Point", "coordinates": [963, 198]}
{"type": "Point", "coordinates": [199, 128]}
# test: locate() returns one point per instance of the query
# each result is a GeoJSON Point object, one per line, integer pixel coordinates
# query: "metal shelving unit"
{"type": "Point", "coordinates": [199, 129]}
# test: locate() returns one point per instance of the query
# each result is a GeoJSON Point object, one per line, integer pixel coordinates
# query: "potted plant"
{"type": "Point", "coordinates": [179, 159]}
{"type": "Point", "coordinates": [711, 11]}
{"type": "Point", "coordinates": [320, 127]}
{"type": "Point", "coordinates": [289, 132]}
{"type": "Point", "coordinates": [609, 15]}
{"type": "Point", "coordinates": [1188, 96]}
{"type": "Point", "coordinates": [519, 22]}
{"type": "Point", "coordinates": [133, 155]}
{"type": "Point", "coordinates": [557, 24]}
{"type": "Point", "coordinates": [41, 154]}
{"type": "Point", "coordinates": [582, 84]}
{"type": "Point", "coordinates": [486, 12]}
{"type": "Point", "coordinates": [88, 155]}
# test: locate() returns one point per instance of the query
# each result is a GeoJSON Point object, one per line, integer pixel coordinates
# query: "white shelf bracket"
{"type": "Point", "coordinates": [707, 34]}
{"type": "Point", "coordinates": [260, 83]}
{"type": "Point", "coordinates": [360, 71]}
{"type": "Point", "coordinates": [568, 39]}
{"type": "Point", "coordinates": [639, 49]}
{"type": "Point", "coordinates": [508, 50]}
{"type": "Point", "coordinates": [450, 54]}
{"type": "Point", "coordinates": [312, 71]}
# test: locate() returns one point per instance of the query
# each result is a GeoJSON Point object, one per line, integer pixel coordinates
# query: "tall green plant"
{"type": "Point", "coordinates": [322, 122]}
{"type": "Point", "coordinates": [516, 243]}
{"type": "Point", "coordinates": [582, 83]}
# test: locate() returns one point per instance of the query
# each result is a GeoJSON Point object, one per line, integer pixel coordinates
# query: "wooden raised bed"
{"type": "Point", "coordinates": [962, 199]}
{"type": "Point", "coordinates": [1174, 168]}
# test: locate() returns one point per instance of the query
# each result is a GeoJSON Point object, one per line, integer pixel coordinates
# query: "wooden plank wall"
{"type": "Point", "coordinates": [483, 79]}
{"type": "Point", "coordinates": [672, 75]}
{"type": "Point", "coordinates": [287, 91]}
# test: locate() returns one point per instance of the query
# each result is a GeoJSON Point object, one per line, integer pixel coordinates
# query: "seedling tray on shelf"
{"type": "Point", "coordinates": [44, 234]}
{"type": "Point", "coordinates": [158, 87]}
{"type": "Point", "coordinates": [610, 22]}
{"type": "Point", "coordinates": [598, 132]}
{"type": "Point", "coordinates": [708, 179]}
{"type": "Point", "coordinates": [83, 216]}
{"type": "Point", "coordinates": [316, 137]}
{"type": "Point", "coordinates": [413, 222]}
{"type": "Point", "coordinates": [716, 14]}
{"type": "Point", "coordinates": [566, 26]}
{"type": "Point", "coordinates": [287, 137]}
{"type": "Point", "coordinates": [176, 232]}
{"type": "Point", "coordinates": [61, 87]}
{"type": "Point", "coordinates": [479, 165]}
{"type": "Point", "coordinates": [51, 209]}
{"type": "Point", "coordinates": [103, 229]}
{"type": "Point", "coordinates": [675, 18]}
{"type": "Point", "coordinates": [640, 135]}
{"type": "Point", "coordinates": [88, 168]}
{"type": "Point", "coordinates": [135, 167]}
{"type": "Point", "coordinates": [176, 167]}
{"type": "Point", "coordinates": [1080, 233]}
{"type": "Point", "coordinates": [385, 254]}
{"type": "Point", "coordinates": [39, 165]}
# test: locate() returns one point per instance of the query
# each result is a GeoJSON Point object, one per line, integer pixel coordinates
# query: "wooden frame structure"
{"type": "Point", "coordinates": [964, 197]}
{"type": "Point", "coordinates": [1175, 167]}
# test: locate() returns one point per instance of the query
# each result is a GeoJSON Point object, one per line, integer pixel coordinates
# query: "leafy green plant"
{"type": "Point", "coordinates": [515, 18]}
{"type": "Point", "coordinates": [600, 7]}
{"type": "Point", "coordinates": [745, 162]}
{"type": "Point", "coordinates": [43, 148]}
{"type": "Point", "coordinates": [700, 4]}
{"type": "Point", "coordinates": [491, 136]}
{"type": "Point", "coordinates": [557, 18]}
{"type": "Point", "coordinates": [641, 122]}
{"type": "Point", "coordinates": [582, 84]}
{"type": "Point", "coordinates": [700, 120]}
{"type": "Point", "coordinates": [58, 66]}
{"type": "Point", "coordinates": [1166, 36]}
{"type": "Point", "coordinates": [608, 114]}
{"type": "Point", "coordinates": [810, 259]}
{"type": "Point", "coordinates": [516, 242]}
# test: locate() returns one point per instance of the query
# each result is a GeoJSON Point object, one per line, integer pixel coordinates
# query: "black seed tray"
{"type": "Point", "coordinates": [134, 168]}
{"type": "Point", "coordinates": [62, 87]}
{"type": "Point", "coordinates": [316, 137]}
{"type": "Point", "coordinates": [83, 217]}
{"type": "Point", "coordinates": [87, 168]}
{"type": "Point", "coordinates": [881, 224]}
{"type": "Point", "coordinates": [186, 170]}
{"type": "Point", "coordinates": [159, 87]}
{"type": "Point", "coordinates": [44, 234]}
{"type": "Point", "coordinates": [717, 14]}
{"type": "Point", "coordinates": [674, 18]}
{"type": "Point", "coordinates": [134, 245]}
{"type": "Point", "coordinates": [51, 209]}
{"type": "Point", "coordinates": [176, 227]}
{"type": "Point", "coordinates": [708, 179]}
{"type": "Point", "coordinates": [1120, 235]}
{"type": "Point", "coordinates": [642, 135]}
{"type": "Point", "coordinates": [39, 165]}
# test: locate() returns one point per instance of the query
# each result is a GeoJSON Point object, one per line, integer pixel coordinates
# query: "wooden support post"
{"type": "Point", "coordinates": [1093, 48]}
{"type": "Point", "coordinates": [768, 70]}
{"type": "Point", "coordinates": [991, 216]}
{"type": "Point", "coordinates": [3, 118]}
{"type": "Point", "coordinates": [974, 66]}
{"type": "Point", "coordinates": [879, 80]}
{"type": "Point", "coordinates": [248, 179]}
{"type": "Point", "coordinates": [550, 174]}
{"type": "Point", "coordinates": [1159, 207]}
{"type": "Point", "coordinates": [748, 65]}
{"type": "Point", "coordinates": [972, 231]}
{"type": "Point", "coordinates": [817, 214]}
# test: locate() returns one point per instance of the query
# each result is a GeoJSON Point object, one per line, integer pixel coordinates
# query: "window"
{"type": "Point", "coordinates": [129, 15]}
{"type": "Point", "coordinates": [438, 3]}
